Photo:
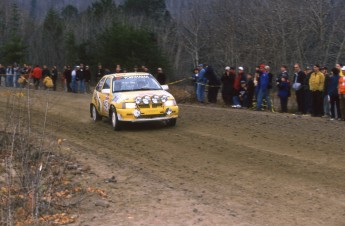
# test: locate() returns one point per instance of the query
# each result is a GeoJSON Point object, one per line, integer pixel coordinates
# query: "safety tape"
{"type": "Point", "coordinates": [182, 80]}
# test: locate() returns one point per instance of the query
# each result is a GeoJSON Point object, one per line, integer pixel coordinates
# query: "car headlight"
{"type": "Point", "coordinates": [129, 105]}
{"type": "Point", "coordinates": [170, 103]}
{"type": "Point", "coordinates": [138, 100]}
{"type": "Point", "coordinates": [164, 98]}
{"type": "Point", "coordinates": [146, 100]}
{"type": "Point", "coordinates": [155, 99]}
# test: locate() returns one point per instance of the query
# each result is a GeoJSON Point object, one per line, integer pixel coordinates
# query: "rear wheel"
{"type": "Point", "coordinates": [172, 122]}
{"type": "Point", "coordinates": [94, 114]}
{"type": "Point", "coordinates": [114, 120]}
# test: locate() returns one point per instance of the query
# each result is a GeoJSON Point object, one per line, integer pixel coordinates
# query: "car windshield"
{"type": "Point", "coordinates": [135, 83]}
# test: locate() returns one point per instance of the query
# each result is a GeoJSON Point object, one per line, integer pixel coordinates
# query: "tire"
{"type": "Point", "coordinates": [115, 123]}
{"type": "Point", "coordinates": [94, 114]}
{"type": "Point", "coordinates": [171, 122]}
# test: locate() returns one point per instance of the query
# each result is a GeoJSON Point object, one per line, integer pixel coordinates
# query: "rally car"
{"type": "Point", "coordinates": [132, 97]}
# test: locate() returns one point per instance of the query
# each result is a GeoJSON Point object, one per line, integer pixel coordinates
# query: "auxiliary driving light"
{"type": "Point", "coordinates": [168, 111]}
{"type": "Point", "coordinates": [136, 113]}
{"type": "Point", "coordinates": [138, 100]}
{"type": "Point", "coordinates": [146, 100]}
{"type": "Point", "coordinates": [164, 99]}
{"type": "Point", "coordinates": [155, 99]}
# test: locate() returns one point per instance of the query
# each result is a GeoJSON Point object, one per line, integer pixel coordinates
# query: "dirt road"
{"type": "Point", "coordinates": [216, 167]}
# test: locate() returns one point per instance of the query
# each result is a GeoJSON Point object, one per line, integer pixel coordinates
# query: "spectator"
{"type": "Point", "coordinates": [284, 93]}
{"type": "Point", "coordinates": [241, 76]}
{"type": "Point", "coordinates": [228, 80]}
{"type": "Point", "coordinates": [270, 75]}
{"type": "Point", "coordinates": [87, 75]}
{"type": "Point", "coordinates": [54, 77]}
{"type": "Point", "coordinates": [74, 83]}
{"type": "Point", "coordinates": [2, 74]}
{"type": "Point", "coordinates": [201, 81]}
{"type": "Point", "coordinates": [339, 67]}
{"type": "Point", "coordinates": [195, 78]}
{"type": "Point", "coordinates": [241, 99]}
{"type": "Point", "coordinates": [326, 98]}
{"type": "Point", "coordinates": [16, 75]}
{"type": "Point", "coordinates": [214, 84]}
{"type": "Point", "coordinates": [283, 74]}
{"type": "Point", "coordinates": [45, 71]}
{"type": "Point", "coordinates": [341, 91]}
{"type": "Point", "coordinates": [307, 93]}
{"type": "Point", "coordinates": [135, 69]}
{"type": "Point", "coordinates": [299, 87]}
{"type": "Point", "coordinates": [81, 78]}
{"type": "Point", "coordinates": [68, 76]}
{"type": "Point", "coordinates": [100, 73]}
{"type": "Point", "coordinates": [9, 76]}
{"type": "Point", "coordinates": [316, 84]}
{"type": "Point", "coordinates": [161, 78]}
{"type": "Point", "coordinates": [263, 89]}
{"type": "Point", "coordinates": [250, 90]}
{"type": "Point", "coordinates": [37, 75]}
{"type": "Point", "coordinates": [333, 93]}
{"type": "Point", "coordinates": [118, 68]}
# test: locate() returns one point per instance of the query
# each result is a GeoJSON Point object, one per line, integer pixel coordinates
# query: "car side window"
{"type": "Point", "coordinates": [107, 84]}
{"type": "Point", "coordinates": [100, 85]}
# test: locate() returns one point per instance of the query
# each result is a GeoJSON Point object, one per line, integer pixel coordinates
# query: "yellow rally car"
{"type": "Point", "coordinates": [132, 97]}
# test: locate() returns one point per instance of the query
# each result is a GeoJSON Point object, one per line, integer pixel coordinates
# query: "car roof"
{"type": "Point", "coordinates": [128, 74]}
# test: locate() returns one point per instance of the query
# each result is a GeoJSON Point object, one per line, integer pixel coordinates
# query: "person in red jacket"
{"type": "Point", "coordinates": [37, 75]}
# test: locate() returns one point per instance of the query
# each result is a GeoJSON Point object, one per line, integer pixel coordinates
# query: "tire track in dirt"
{"type": "Point", "coordinates": [228, 164]}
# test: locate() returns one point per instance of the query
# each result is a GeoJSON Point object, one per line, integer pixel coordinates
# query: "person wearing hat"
{"type": "Point", "coordinates": [239, 77]}
{"type": "Point", "coordinates": [227, 80]}
{"type": "Point", "coordinates": [341, 91]}
{"type": "Point", "coordinates": [316, 84]}
{"type": "Point", "coordinates": [161, 77]}
{"type": "Point", "coordinates": [201, 83]}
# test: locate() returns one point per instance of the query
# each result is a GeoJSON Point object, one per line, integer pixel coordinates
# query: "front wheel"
{"type": "Point", "coordinates": [172, 122]}
{"type": "Point", "coordinates": [94, 114]}
{"type": "Point", "coordinates": [114, 120]}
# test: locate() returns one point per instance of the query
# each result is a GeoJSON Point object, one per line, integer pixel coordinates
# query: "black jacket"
{"type": "Point", "coordinates": [211, 76]}
{"type": "Point", "coordinates": [87, 75]}
{"type": "Point", "coordinates": [161, 78]}
{"type": "Point", "coordinates": [228, 83]}
{"type": "Point", "coordinates": [301, 78]}
{"type": "Point", "coordinates": [45, 73]}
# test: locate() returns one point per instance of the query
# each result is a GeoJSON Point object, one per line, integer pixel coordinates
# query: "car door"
{"type": "Point", "coordinates": [104, 96]}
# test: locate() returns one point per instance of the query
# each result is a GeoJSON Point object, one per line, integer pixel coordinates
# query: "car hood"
{"type": "Point", "coordinates": [130, 96]}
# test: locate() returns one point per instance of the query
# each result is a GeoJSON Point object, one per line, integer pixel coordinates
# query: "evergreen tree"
{"type": "Point", "coordinates": [13, 49]}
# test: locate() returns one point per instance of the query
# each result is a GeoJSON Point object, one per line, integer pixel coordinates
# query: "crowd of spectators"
{"type": "Point", "coordinates": [317, 91]}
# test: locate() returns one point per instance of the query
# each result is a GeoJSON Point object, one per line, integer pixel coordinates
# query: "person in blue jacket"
{"type": "Point", "coordinates": [263, 92]}
{"type": "Point", "coordinates": [333, 93]}
{"type": "Point", "coordinates": [284, 93]}
{"type": "Point", "coordinates": [201, 83]}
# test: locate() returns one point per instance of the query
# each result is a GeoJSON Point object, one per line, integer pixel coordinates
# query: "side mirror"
{"type": "Point", "coordinates": [106, 91]}
{"type": "Point", "coordinates": [165, 87]}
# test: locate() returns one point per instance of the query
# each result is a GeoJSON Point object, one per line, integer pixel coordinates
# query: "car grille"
{"type": "Point", "coordinates": [150, 105]}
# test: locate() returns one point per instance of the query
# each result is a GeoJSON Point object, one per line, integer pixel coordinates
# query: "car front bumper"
{"type": "Point", "coordinates": [147, 115]}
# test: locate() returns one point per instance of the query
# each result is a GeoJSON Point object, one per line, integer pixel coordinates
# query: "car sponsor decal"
{"type": "Point", "coordinates": [106, 103]}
